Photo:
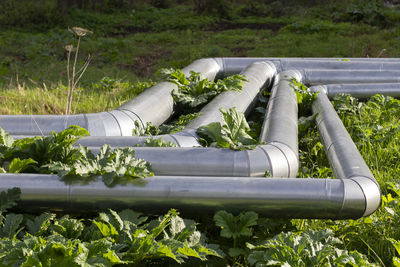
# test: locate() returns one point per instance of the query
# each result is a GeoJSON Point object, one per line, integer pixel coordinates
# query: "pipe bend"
{"type": "Point", "coordinates": [208, 68]}
{"type": "Point", "coordinates": [185, 138]}
{"type": "Point", "coordinates": [371, 192]}
{"type": "Point", "coordinates": [278, 163]}
{"type": "Point", "coordinates": [319, 89]}
{"type": "Point", "coordinates": [291, 74]}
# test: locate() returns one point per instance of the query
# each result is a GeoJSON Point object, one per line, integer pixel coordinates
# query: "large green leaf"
{"type": "Point", "coordinates": [17, 165]}
{"type": "Point", "coordinates": [236, 127]}
{"type": "Point", "coordinates": [235, 226]}
{"type": "Point", "coordinates": [233, 133]}
{"type": "Point", "coordinates": [9, 199]}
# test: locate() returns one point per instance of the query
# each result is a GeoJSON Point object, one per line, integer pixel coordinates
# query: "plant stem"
{"type": "Point", "coordinates": [69, 82]}
{"type": "Point", "coordinates": [73, 76]}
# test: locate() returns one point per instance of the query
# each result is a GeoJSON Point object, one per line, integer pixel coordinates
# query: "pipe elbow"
{"type": "Point", "coordinates": [371, 192]}
{"type": "Point", "coordinates": [361, 197]}
{"type": "Point", "coordinates": [283, 161]}
{"type": "Point", "coordinates": [323, 89]}
{"type": "Point", "coordinates": [291, 74]}
{"type": "Point", "coordinates": [185, 138]}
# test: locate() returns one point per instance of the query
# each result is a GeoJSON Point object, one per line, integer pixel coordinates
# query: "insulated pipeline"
{"type": "Point", "coordinates": [363, 90]}
{"type": "Point", "coordinates": [345, 159]}
{"type": "Point", "coordinates": [272, 197]}
{"type": "Point", "coordinates": [154, 105]}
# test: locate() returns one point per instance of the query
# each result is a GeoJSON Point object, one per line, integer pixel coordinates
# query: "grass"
{"type": "Point", "coordinates": [132, 44]}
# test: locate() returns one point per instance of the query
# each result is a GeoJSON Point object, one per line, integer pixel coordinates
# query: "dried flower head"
{"type": "Point", "coordinates": [81, 31]}
{"type": "Point", "coordinates": [69, 48]}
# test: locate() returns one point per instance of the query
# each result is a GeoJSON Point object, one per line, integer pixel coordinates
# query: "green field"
{"type": "Point", "coordinates": [131, 42]}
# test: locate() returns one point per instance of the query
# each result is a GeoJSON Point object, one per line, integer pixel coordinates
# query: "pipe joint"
{"type": "Point", "coordinates": [291, 74]}
{"type": "Point", "coordinates": [371, 192]}
{"type": "Point", "coordinates": [283, 162]}
{"type": "Point", "coordinates": [185, 138]}
{"type": "Point", "coordinates": [319, 89]}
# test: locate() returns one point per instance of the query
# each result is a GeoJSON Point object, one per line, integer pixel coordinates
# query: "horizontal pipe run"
{"type": "Point", "coordinates": [272, 197]}
{"type": "Point", "coordinates": [343, 155]}
{"type": "Point", "coordinates": [363, 90]}
{"type": "Point", "coordinates": [154, 105]}
{"type": "Point", "coordinates": [315, 77]}
{"type": "Point", "coordinates": [231, 65]}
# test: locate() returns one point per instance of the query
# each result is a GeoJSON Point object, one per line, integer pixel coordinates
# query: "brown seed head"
{"type": "Point", "coordinates": [69, 48]}
{"type": "Point", "coordinates": [81, 31]}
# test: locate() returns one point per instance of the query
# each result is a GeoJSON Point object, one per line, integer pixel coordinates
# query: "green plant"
{"type": "Point", "coordinates": [170, 128]}
{"type": "Point", "coordinates": [56, 154]}
{"type": "Point", "coordinates": [236, 227]}
{"type": "Point", "coordinates": [158, 142]}
{"type": "Point", "coordinates": [193, 91]}
{"type": "Point", "coordinates": [112, 238]}
{"type": "Point", "coordinates": [309, 248]}
{"type": "Point", "coordinates": [116, 166]}
{"type": "Point", "coordinates": [232, 134]}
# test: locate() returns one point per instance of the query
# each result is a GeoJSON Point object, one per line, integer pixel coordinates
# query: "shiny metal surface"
{"type": "Point", "coordinates": [154, 105]}
{"type": "Point", "coordinates": [280, 124]}
{"type": "Point", "coordinates": [315, 77]}
{"type": "Point", "coordinates": [195, 179]}
{"type": "Point", "coordinates": [273, 197]}
{"type": "Point", "coordinates": [258, 74]}
{"type": "Point", "coordinates": [345, 159]}
{"type": "Point", "coordinates": [364, 90]}
{"type": "Point", "coordinates": [230, 65]}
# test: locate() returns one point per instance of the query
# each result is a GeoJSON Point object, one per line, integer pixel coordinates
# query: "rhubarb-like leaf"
{"type": "Point", "coordinates": [233, 133]}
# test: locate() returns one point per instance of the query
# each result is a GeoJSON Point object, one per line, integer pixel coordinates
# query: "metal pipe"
{"type": "Point", "coordinates": [154, 105]}
{"type": "Point", "coordinates": [363, 90]}
{"type": "Point", "coordinates": [353, 194]}
{"type": "Point", "coordinates": [279, 157]}
{"type": "Point", "coordinates": [280, 125]}
{"type": "Point", "coordinates": [315, 77]}
{"type": "Point", "coordinates": [345, 159]}
{"type": "Point", "coordinates": [258, 75]}
{"type": "Point", "coordinates": [120, 122]}
{"type": "Point", "coordinates": [230, 65]}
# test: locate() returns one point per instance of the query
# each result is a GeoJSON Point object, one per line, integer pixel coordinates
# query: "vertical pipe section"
{"type": "Point", "coordinates": [280, 125]}
{"type": "Point", "coordinates": [345, 159]}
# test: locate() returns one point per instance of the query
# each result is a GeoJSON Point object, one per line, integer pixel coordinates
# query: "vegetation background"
{"type": "Point", "coordinates": [132, 39]}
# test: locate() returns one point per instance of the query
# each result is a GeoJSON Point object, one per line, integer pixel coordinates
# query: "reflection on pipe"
{"type": "Point", "coordinates": [279, 156]}
{"type": "Point", "coordinates": [343, 155]}
{"type": "Point", "coordinates": [363, 90]}
{"type": "Point", "coordinates": [208, 179]}
{"type": "Point", "coordinates": [155, 105]}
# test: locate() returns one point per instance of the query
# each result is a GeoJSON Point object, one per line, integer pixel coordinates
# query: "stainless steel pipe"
{"type": "Point", "coordinates": [154, 105]}
{"type": "Point", "coordinates": [363, 90]}
{"type": "Point", "coordinates": [345, 159]}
